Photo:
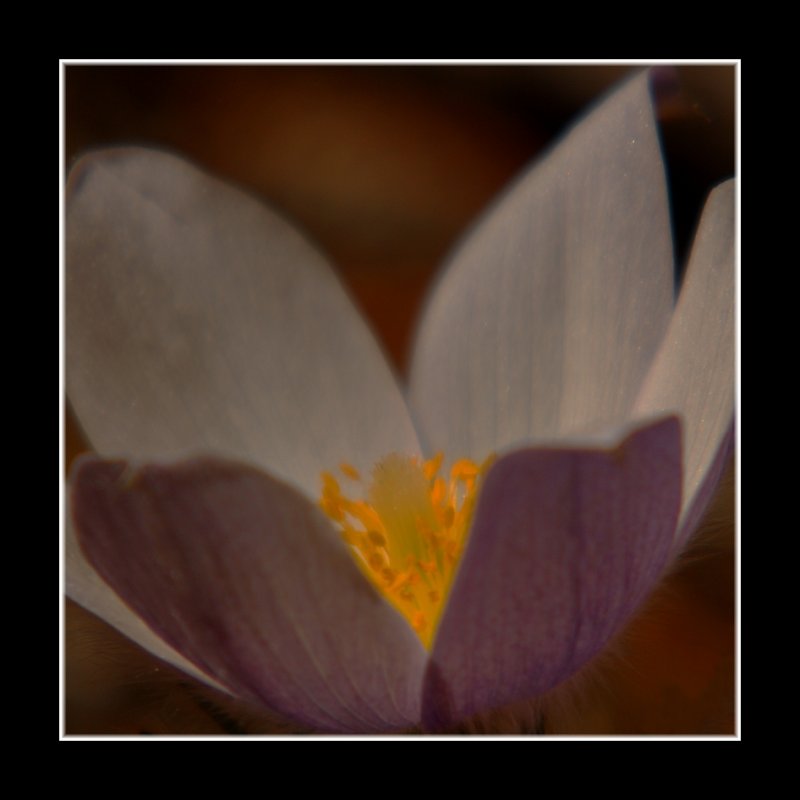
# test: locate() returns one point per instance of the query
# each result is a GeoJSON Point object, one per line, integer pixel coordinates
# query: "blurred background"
{"type": "Point", "coordinates": [386, 167]}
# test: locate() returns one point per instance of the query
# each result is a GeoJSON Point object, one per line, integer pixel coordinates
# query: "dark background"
{"type": "Point", "coordinates": [385, 167]}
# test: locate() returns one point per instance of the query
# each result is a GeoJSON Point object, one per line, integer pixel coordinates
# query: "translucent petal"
{"type": "Point", "coordinates": [548, 316]}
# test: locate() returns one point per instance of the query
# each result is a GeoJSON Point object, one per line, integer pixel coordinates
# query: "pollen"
{"type": "Point", "coordinates": [408, 529]}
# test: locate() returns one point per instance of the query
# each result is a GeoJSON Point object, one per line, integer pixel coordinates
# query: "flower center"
{"type": "Point", "coordinates": [408, 534]}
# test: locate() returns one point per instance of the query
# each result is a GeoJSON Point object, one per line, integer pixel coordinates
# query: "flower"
{"type": "Point", "coordinates": [200, 323]}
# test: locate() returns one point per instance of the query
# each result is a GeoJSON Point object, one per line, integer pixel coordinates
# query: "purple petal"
{"type": "Point", "coordinates": [566, 543]}
{"type": "Point", "coordinates": [694, 372]}
{"type": "Point", "coordinates": [247, 580]}
{"type": "Point", "coordinates": [198, 319]}
{"type": "Point", "coordinates": [86, 587]}
{"type": "Point", "coordinates": [550, 312]}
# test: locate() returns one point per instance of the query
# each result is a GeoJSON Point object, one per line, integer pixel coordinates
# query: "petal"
{"type": "Point", "coordinates": [694, 372]}
{"type": "Point", "coordinates": [245, 578]}
{"type": "Point", "coordinates": [565, 545]}
{"type": "Point", "coordinates": [198, 318]}
{"type": "Point", "coordinates": [86, 587]}
{"type": "Point", "coordinates": [550, 312]}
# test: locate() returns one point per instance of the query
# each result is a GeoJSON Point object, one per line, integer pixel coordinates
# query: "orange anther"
{"type": "Point", "coordinates": [377, 538]}
{"type": "Point", "coordinates": [330, 485]}
{"type": "Point", "coordinates": [432, 465]}
{"type": "Point", "coordinates": [463, 469]}
{"type": "Point", "coordinates": [350, 471]}
{"type": "Point", "coordinates": [376, 561]}
{"type": "Point", "coordinates": [407, 529]}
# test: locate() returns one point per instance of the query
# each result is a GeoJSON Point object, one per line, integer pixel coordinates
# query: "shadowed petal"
{"type": "Point", "coordinates": [694, 372]}
{"type": "Point", "coordinates": [564, 546]}
{"type": "Point", "coordinates": [245, 578]}
{"type": "Point", "coordinates": [198, 319]}
{"type": "Point", "coordinates": [551, 310]}
{"type": "Point", "coordinates": [86, 587]}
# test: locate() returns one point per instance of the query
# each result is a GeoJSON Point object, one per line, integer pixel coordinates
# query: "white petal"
{"type": "Point", "coordinates": [694, 371]}
{"type": "Point", "coordinates": [198, 319]}
{"type": "Point", "coordinates": [551, 310]}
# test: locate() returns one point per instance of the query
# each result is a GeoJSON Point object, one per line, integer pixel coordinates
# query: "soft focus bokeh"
{"type": "Point", "coordinates": [385, 166]}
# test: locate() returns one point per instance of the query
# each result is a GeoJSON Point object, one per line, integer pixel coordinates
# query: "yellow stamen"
{"type": "Point", "coordinates": [407, 536]}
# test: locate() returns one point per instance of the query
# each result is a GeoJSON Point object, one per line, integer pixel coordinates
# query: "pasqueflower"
{"type": "Point", "coordinates": [265, 511]}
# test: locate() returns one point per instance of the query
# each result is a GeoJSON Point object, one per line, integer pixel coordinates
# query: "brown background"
{"type": "Point", "coordinates": [385, 166]}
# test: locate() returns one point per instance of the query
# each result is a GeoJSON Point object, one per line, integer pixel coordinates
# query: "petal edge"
{"type": "Point", "coordinates": [694, 371]}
